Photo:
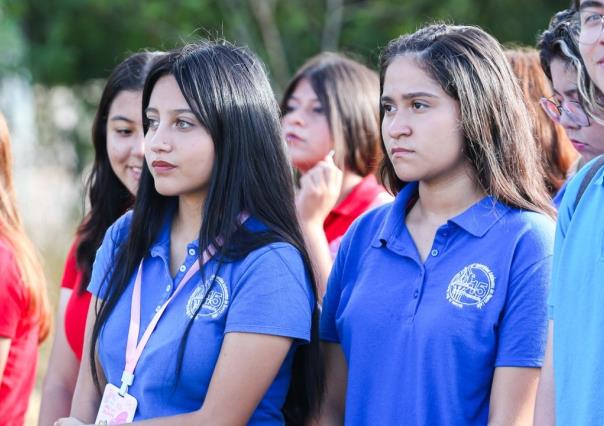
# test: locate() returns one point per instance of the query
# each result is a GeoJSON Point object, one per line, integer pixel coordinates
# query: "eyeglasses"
{"type": "Point", "coordinates": [592, 23]}
{"type": "Point", "coordinates": [574, 111]}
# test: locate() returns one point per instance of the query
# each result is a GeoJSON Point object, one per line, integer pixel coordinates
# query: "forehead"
{"type": "Point", "coordinates": [405, 74]}
{"type": "Point", "coordinates": [585, 4]}
{"type": "Point", "coordinates": [126, 102]}
{"type": "Point", "coordinates": [304, 90]}
{"type": "Point", "coordinates": [166, 94]}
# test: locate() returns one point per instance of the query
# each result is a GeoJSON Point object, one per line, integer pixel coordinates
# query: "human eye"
{"type": "Point", "coordinates": [388, 107]}
{"type": "Point", "coordinates": [124, 132]}
{"type": "Point", "coordinates": [152, 123]}
{"type": "Point", "coordinates": [289, 108]}
{"type": "Point", "coordinates": [183, 124]}
{"type": "Point", "coordinates": [419, 106]}
{"type": "Point", "coordinates": [591, 18]}
{"type": "Point", "coordinates": [318, 109]}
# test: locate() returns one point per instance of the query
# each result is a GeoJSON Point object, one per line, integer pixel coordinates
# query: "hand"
{"type": "Point", "coordinates": [320, 189]}
{"type": "Point", "coordinates": [68, 421]}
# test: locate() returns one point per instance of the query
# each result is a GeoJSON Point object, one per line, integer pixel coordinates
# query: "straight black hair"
{"type": "Point", "coordinates": [109, 198]}
{"type": "Point", "coordinates": [227, 89]}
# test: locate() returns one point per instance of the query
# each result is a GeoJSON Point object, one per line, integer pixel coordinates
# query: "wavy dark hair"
{"type": "Point", "coordinates": [109, 198]}
{"type": "Point", "coordinates": [348, 91]}
{"type": "Point", "coordinates": [470, 66]}
{"type": "Point", "coordinates": [227, 89]}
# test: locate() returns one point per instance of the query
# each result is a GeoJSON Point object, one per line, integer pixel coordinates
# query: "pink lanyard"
{"type": "Point", "coordinates": [133, 350]}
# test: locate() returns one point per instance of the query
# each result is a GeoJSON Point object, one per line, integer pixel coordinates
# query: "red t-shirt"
{"type": "Point", "coordinates": [77, 306]}
{"type": "Point", "coordinates": [18, 325]}
{"type": "Point", "coordinates": [367, 194]}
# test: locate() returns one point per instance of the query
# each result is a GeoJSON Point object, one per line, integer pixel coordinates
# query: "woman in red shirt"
{"type": "Point", "coordinates": [331, 125]}
{"type": "Point", "coordinates": [25, 318]}
{"type": "Point", "coordinates": [117, 135]}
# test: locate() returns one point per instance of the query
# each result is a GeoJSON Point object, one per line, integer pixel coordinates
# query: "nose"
{"type": "Point", "coordinates": [158, 140]}
{"type": "Point", "coordinates": [396, 126]}
{"type": "Point", "coordinates": [294, 117]}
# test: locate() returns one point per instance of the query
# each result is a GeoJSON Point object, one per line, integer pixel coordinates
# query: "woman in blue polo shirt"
{"type": "Point", "coordinates": [237, 341]}
{"type": "Point", "coordinates": [435, 309]}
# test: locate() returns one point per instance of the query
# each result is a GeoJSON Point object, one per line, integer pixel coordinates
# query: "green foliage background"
{"type": "Point", "coordinates": [71, 41]}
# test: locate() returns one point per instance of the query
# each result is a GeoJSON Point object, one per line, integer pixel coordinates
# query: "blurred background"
{"type": "Point", "coordinates": [54, 55]}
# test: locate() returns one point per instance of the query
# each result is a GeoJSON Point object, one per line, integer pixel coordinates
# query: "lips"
{"type": "Point", "coordinates": [160, 166]}
{"type": "Point", "coordinates": [135, 171]}
{"type": "Point", "coordinates": [579, 146]}
{"type": "Point", "coordinates": [400, 152]}
{"type": "Point", "coordinates": [292, 137]}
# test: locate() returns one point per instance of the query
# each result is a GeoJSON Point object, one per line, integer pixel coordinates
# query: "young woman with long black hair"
{"type": "Point", "coordinates": [117, 137]}
{"type": "Point", "coordinates": [210, 267]}
{"type": "Point", "coordinates": [435, 309]}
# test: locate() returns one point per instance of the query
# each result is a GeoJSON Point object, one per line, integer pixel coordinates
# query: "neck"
{"type": "Point", "coordinates": [349, 181]}
{"type": "Point", "coordinates": [188, 218]}
{"type": "Point", "coordinates": [443, 199]}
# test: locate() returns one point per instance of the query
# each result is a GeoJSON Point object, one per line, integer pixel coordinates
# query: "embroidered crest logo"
{"type": "Point", "coordinates": [214, 303]}
{"type": "Point", "coordinates": [474, 285]}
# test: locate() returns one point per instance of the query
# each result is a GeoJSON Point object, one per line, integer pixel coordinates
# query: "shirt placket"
{"type": "Point", "coordinates": [437, 250]}
{"type": "Point", "coordinates": [190, 259]}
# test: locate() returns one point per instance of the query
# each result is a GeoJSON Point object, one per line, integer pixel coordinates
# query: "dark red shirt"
{"type": "Point", "coordinates": [367, 194]}
{"type": "Point", "coordinates": [77, 305]}
{"type": "Point", "coordinates": [21, 327]}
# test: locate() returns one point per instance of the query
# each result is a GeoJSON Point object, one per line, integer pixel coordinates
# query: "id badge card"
{"type": "Point", "coordinates": [116, 409]}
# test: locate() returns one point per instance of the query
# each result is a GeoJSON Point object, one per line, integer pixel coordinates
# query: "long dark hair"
{"type": "Point", "coordinates": [227, 89]}
{"type": "Point", "coordinates": [348, 92]}
{"type": "Point", "coordinates": [470, 66]}
{"type": "Point", "coordinates": [109, 198]}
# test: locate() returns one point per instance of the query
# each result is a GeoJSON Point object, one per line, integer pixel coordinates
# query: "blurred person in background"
{"type": "Point", "coordinates": [24, 310]}
{"type": "Point", "coordinates": [558, 156]}
{"type": "Point", "coordinates": [331, 126]}
{"type": "Point", "coordinates": [117, 136]}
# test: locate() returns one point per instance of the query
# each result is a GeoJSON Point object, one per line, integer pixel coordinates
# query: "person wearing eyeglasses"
{"type": "Point", "coordinates": [571, 386]}
{"type": "Point", "coordinates": [558, 156]}
{"type": "Point", "coordinates": [560, 58]}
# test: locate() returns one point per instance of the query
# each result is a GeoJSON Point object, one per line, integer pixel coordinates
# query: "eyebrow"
{"type": "Point", "coordinates": [590, 3]}
{"type": "Point", "coordinates": [567, 93]}
{"type": "Point", "coordinates": [412, 95]}
{"type": "Point", "coordinates": [121, 118]}
{"type": "Point", "coordinates": [295, 98]}
{"type": "Point", "coordinates": [176, 111]}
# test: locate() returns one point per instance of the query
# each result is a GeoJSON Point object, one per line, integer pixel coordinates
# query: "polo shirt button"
{"type": "Point", "coordinates": [434, 253]}
{"type": "Point", "coordinates": [416, 294]}
{"type": "Point", "coordinates": [192, 252]}
{"type": "Point", "coordinates": [182, 268]}
{"type": "Point", "coordinates": [157, 309]}
{"type": "Point", "coordinates": [168, 287]}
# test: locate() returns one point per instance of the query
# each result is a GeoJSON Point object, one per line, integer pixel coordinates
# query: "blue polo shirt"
{"type": "Point", "coordinates": [422, 339]}
{"type": "Point", "coordinates": [576, 304]}
{"type": "Point", "coordinates": [267, 292]}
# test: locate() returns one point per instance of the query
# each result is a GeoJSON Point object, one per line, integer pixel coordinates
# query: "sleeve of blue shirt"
{"type": "Point", "coordinates": [272, 295]}
{"type": "Point", "coordinates": [523, 327]}
{"type": "Point", "coordinates": [565, 214]}
{"type": "Point", "coordinates": [105, 256]}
